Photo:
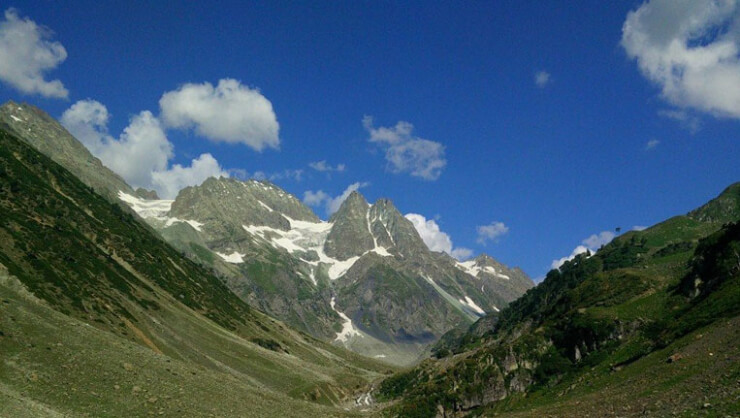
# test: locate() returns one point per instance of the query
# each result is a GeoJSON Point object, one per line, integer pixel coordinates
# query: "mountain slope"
{"type": "Point", "coordinates": [335, 280]}
{"type": "Point", "coordinates": [364, 279]}
{"type": "Point", "coordinates": [599, 325]}
{"type": "Point", "coordinates": [51, 139]}
{"type": "Point", "coordinates": [90, 277]}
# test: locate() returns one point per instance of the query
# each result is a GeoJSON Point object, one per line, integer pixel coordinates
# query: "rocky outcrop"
{"type": "Point", "coordinates": [350, 234]}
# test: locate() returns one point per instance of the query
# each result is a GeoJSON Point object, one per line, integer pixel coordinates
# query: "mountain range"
{"type": "Point", "coordinates": [235, 299]}
{"type": "Point", "coordinates": [364, 278]}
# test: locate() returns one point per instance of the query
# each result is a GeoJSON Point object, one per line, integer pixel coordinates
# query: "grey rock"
{"type": "Point", "coordinates": [350, 235]}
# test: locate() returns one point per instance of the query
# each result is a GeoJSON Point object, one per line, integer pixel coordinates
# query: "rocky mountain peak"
{"type": "Point", "coordinates": [485, 260]}
{"type": "Point", "coordinates": [387, 220]}
{"type": "Point", "coordinates": [235, 202]}
{"type": "Point", "coordinates": [146, 194]}
{"type": "Point", "coordinates": [350, 235]}
{"type": "Point", "coordinates": [353, 206]}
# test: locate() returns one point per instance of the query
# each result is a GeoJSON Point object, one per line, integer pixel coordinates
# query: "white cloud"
{"type": "Point", "coordinates": [229, 112]}
{"type": "Point", "coordinates": [592, 244]}
{"type": "Point", "coordinates": [331, 204]}
{"type": "Point", "coordinates": [87, 120]}
{"type": "Point", "coordinates": [27, 53]}
{"type": "Point", "coordinates": [406, 153]}
{"type": "Point", "coordinates": [687, 121]}
{"type": "Point", "coordinates": [316, 198]}
{"type": "Point", "coordinates": [651, 144]}
{"type": "Point", "coordinates": [595, 241]}
{"type": "Point", "coordinates": [542, 78]}
{"type": "Point", "coordinates": [322, 166]}
{"type": "Point", "coordinates": [691, 49]}
{"type": "Point", "coordinates": [559, 262]}
{"type": "Point", "coordinates": [461, 253]}
{"type": "Point", "coordinates": [141, 153]}
{"type": "Point", "coordinates": [169, 182]}
{"type": "Point", "coordinates": [491, 232]}
{"type": "Point", "coordinates": [434, 238]}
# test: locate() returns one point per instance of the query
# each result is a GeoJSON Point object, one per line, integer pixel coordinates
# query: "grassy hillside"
{"type": "Point", "coordinates": [118, 298]}
{"type": "Point", "coordinates": [602, 327]}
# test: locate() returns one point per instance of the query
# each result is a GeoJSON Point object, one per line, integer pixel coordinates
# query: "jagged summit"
{"type": "Point", "coordinates": [350, 235]}
{"type": "Point", "coordinates": [235, 202]}
{"type": "Point", "coordinates": [364, 279]}
{"type": "Point", "coordinates": [354, 204]}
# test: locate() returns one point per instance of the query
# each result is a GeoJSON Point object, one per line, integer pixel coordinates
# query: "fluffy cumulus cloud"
{"type": "Point", "coordinates": [169, 182]}
{"type": "Point", "coordinates": [542, 78]}
{"type": "Point", "coordinates": [691, 49]}
{"type": "Point", "coordinates": [322, 166]}
{"type": "Point", "coordinates": [142, 152]}
{"type": "Point", "coordinates": [491, 232]}
{"type": "Point", "coordinates": [406, 153]}
{"type": "Point", "coordinates": [87, 120]}
{"type": "Point", "coordinates": [331, 204]}
{"type": "Point", "coordinates": [595, 241]}
{"type": "Point", "coordinates": [27, 53]}
{"type": "Point", "coordinates": [590, 244]}
{"type": "Point", "coordinates": [434, 238]}
{"type": "Point", "coordinates": [229, 112]}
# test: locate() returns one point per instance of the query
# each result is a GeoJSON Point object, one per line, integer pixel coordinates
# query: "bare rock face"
{"type": "Point", "coordinates": [240, 203]}
{"type": "Point", "coordinates": [146, 194]}
{"type": "Point", "coordinates": [350, 235]}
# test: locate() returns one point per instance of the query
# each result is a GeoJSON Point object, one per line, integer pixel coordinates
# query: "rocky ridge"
{"type": "Point", "coordinates": [364, 278]}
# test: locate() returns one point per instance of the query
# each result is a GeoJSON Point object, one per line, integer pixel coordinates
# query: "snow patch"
{"type": "Point", "coordinates": [156, 209]}
{"type": "Point", "coordinates": [304, 237]}
{"type": "Point", "coordinates": [348, 330]}
{"type": "Point", "coordinates": [265, 206]}
{"type": "Point", "coordinates": [147, 208]}
{"type": "Point", "coordinates": [469, 302]}
{"type": "Point", "coordinates": [473, 269]}
{"type": "Point", "coordinates": [382, 251]}
{"type": "Point", "coordinates": [195, 224]}
{"type": "Point", "coordinates": [16, 119]}
{"type": "Point", "coordinates": [233, 258]}
{"type": "Point", "coordinates": [338, 269]}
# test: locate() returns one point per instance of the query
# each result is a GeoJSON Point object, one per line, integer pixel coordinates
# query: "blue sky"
{"type": "Point", "coordinates": [519, 129]}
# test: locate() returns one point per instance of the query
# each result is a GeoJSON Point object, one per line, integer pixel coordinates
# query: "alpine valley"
{"type": "Point", "coordinates": [364, 279]}
{"type": "Point", "coordinates": [236, 299]}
